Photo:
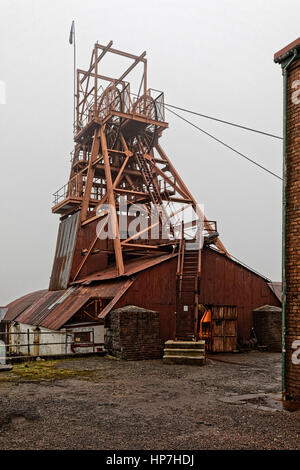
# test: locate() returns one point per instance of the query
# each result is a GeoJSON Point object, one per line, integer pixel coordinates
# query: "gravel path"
{"type": "Point", "coordinates": [149, 405]}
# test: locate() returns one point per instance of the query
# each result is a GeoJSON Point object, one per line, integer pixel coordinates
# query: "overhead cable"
{"type": "Point", "coordinates": [224, 144]}
{"type": "Point", "coordinates": [225, 122]}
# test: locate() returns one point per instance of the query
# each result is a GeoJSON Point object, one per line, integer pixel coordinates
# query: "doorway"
{"type": "Point", "coordinates": [218, 327]}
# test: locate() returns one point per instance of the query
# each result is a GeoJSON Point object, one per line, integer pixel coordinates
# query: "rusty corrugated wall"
{"type": "Point", "coordinates": [225, 282]}
{"type": "Point", "coordinates": [65, 245]}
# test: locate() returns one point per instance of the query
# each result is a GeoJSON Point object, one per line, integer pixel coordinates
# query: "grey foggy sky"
{"type": "Point", "coordinates": [213, 57]}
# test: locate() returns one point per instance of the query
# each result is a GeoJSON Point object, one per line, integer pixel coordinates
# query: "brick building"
{"type": "Point", "coordinates": [289, 58]}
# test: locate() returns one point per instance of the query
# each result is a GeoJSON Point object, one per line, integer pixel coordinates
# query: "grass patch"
{"type": "Point", "coordinates": [42, 370]}
{"type": "Point", "coordinates": [114, 358]}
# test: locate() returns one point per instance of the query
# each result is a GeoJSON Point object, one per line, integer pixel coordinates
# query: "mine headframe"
{"type": "Point", "coordinates": [117, 161]}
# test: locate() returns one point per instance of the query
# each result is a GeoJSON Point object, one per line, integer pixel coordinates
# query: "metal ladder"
{"type": "Point", "coordinates": [148, 178]}
{"type": "Point", "coordinates": [187, 291]}
{"type": "Point", "coordinates": [151, 186]}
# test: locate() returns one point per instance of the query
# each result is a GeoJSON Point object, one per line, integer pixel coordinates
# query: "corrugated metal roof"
{"type": "Point", "coordinates": [109, 290]}
{"type": "Point", "coordinates": [15, 308]}
{"type": "Point", "coordinates": [52, 309]}
{"type": "Point", "coordinates": [59, 315]}
{"type": "Point", "coordinates": [3, 311]}
{"type": "Point", "coordinates": [276, 287]}
{"type": "Point", "coordinates": [131, 268]}
{"type": "Point", "coordinates": [65, 245]}
{"type": "Point", "coordinates": [116, 298]}
{"type": "Point", "coordinates": [36, 312]}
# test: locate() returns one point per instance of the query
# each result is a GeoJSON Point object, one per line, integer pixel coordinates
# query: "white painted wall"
{"type": "Point", "coordinates": [19, 342]}
{"type": "Point", "coordinates": [51, 342]}
{"type": "Point", "coordinates": [98, 337]}
{"type": "Point", "coordinates": [2, 353]}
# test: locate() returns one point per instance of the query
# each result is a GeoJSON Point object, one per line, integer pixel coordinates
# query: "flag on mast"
{"type": "Point", "coordinates": [72, 32]}
{"type": "Point", "coordinates": [72, 41]}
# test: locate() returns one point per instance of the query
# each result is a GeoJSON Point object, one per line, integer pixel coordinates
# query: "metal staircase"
{"type": "Point", "coordinates": [148, 178]}
{"type": "Point", "coordinates": [187, 291]}
{"type": "Point", "coordinates": [153, 190]}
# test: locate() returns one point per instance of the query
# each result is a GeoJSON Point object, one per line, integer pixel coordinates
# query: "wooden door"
{"type": "Point", "coordinates": [224, 328]}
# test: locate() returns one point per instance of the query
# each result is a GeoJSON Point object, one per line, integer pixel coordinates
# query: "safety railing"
{"type": "Point", "coordinates": [74, 188]}
{"type": "Point", "coordinates": [23, 344]}
{"type": "Point", "coordinates": [119, 99]}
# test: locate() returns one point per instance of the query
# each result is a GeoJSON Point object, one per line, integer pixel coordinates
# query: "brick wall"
{"type": "Point", "coordinates": [293, 230]}
{"type": "Point", "coordinates": [267, 323]}
{"type": "Point", "coordinates": [133, 333]}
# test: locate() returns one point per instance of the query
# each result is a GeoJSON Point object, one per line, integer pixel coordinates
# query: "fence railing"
{"type": "Point", "coordinates": [30, 343]}
{"type": "Point", "coordinates": [74, 187]}
{"type": "Point", "coordinates": [116, 99]}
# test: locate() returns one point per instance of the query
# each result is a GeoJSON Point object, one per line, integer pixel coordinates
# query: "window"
{"type": "Point", "coordinates": [82, 337]}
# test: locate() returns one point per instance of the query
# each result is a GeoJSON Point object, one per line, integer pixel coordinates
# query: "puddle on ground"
{"type": "Point", "coordinates": [260, 401]}
{"type": "Point", "coordinates": [267, 403]}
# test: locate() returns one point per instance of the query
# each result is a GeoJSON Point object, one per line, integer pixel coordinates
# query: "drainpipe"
{"type": "Point", "coordinates": [285, 111]}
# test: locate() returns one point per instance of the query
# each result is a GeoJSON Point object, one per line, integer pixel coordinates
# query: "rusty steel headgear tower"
{"type": "Point", "coordinates": [289, 58]}
{"type": "Point", "coordinates": [117, 157]}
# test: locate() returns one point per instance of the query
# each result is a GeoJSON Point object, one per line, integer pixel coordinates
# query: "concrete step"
{"type": "Point", "coordinates": [186, 360]}
{"type": "Point", "coordinates": [199, 348]}
{"type": "Point", "coordinates": [171, 344]}
{"type": "Point", "coordinates": [184, 352]}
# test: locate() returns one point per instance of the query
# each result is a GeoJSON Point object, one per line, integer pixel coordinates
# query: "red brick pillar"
{"type": "Point", "coordinates": [289, 58]}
